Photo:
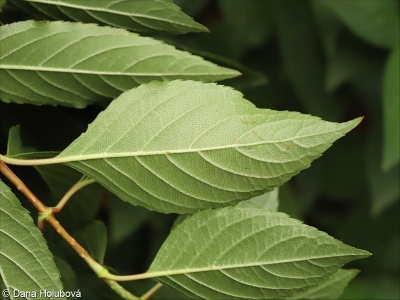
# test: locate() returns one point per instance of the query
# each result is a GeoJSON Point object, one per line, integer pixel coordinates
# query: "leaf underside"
{"type": "Point", "coordinates": [74, 64]}
{"type": "Point", "coordinates": [135, 15]}
{"type": "Point", "coordinates": [26, 263]}
{"type": "Point", "coordinates": [247, 253]}
{"type": "Point", "coordinates": [183, 146]}
{"type": "Point", "coordinates": [330, 288]}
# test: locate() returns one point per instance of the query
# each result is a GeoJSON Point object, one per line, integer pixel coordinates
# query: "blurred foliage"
{"type": "Point", "coordinates": [335, 59]}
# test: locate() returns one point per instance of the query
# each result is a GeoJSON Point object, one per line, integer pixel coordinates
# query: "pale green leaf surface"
{"type": "Point", "coordinates": [269, 200]}
{"type": "Point", "coordinates": [135, 15]}
{"type": "Point", "coordinates": [26, 263]}
{"type": "Point", "coordinates": [74, 64]}
{"type": "Point", "coordinates": [247, 253]}
{"type": "Point", "coordinates": [329, 288]}
{"type": "Point", "coordinates": [377, 22]}
{"type": "Point", "coordinates": [391, 111]}
{"type": "Point", "coordinates": [183, 146]}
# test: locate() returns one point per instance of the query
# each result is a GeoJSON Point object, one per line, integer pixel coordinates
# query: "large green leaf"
{"type": "Point", "coordinates": [377, 22]}
{"type": "Point", "coordinates": [26, 263]}
{"type": "Point", "coordinates": [135, 15]}
{"type": "Point", "coordinates": [247, 253]}
{"type": "Point", "coordinates": [391, 108]}
{"type": "Point", "coordinates": [182, 146]}
{"type": "Point", "coordinates": [74, 64]}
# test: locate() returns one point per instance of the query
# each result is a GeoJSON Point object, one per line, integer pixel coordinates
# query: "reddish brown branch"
{"type": "Point", "coordinates": [42, 209]}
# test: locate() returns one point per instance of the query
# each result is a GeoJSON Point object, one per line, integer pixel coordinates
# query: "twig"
{"type": "Point", "coordinates": [76, 187]}
{"type": "Point", "coordinates": [40, 207]}
{"type": "Point", "coordinates": [60, 205]}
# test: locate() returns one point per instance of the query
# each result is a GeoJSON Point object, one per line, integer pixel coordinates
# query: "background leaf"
{"type": "Point", "coordinates": [2, 2]}
{"type": "Point", "coordinates": [26, 263]}
{"type": "Point", "coordinates": [135, 15]}
{"type": "Point", "coordinates": [247, 253]}
{"type": "Point", "coordinates": [377, 22]}
{"type": "Point", "coordinates": [93, 238]}
{"type": "Point", "coordinates": [391, 108]}
{"type": "Point", "coordinates": [120, 212]}
{"type": "Point", "coordinates": [302, 59]}
{"type": "Point", "coordinates": [76, 64]}
{"type": "Point", "coordinates": [68, 276]}
{"type": "Point", "coordinates": [195, 146]}
{"type": "Point", "coordinates": [383, 185]}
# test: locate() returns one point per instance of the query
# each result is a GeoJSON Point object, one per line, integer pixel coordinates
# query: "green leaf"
{"type": "Point", "coordinates": [247, 253]}
{"type": "Point", "coordinates": [329, 288]}
{"type": "Point", "coordinates": [377, 22]}
{"type": "Point", "coordinates": [26, 263]}
{"type": "Point", "coordinates": [135, 15]}
{"type": "Point", "coordinates": [74, 64]}
{"type": "Point", "coordinates": [268, 200]}
{"type": "Point", "coordinates": [183, 146]}
{"type": "Point", "coordinates": [391, 108]}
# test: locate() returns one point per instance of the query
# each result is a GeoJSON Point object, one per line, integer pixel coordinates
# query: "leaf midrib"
{"type": "Point", "coordinates": [94, 72]}
{"type": "Point", "coordinates": [235, 266]}
{"type": "Point", "coordinates": [167, 152]}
